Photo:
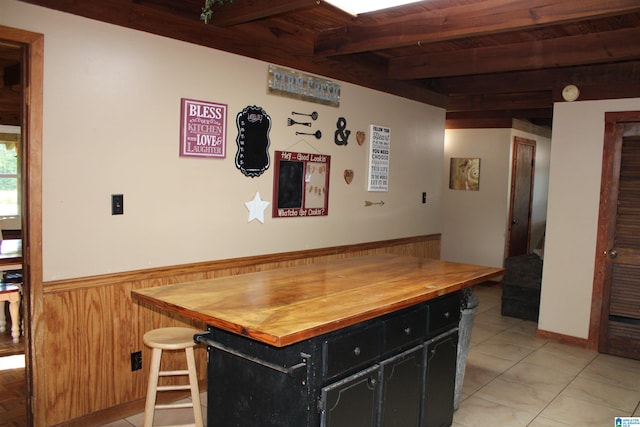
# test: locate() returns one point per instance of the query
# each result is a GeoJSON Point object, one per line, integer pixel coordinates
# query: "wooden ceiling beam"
{"type": "Point", "coordinates": [465, 20]}
{"type": "Point", "coordinates": [495, 102]}
{"type": "Point", "coordinates": [537, 113]}
{"type": "Point", "coordinates": [618, 90]}
{"type": "Point", "coordinates": [522, 81]}
{"type": "Point", "coordinates": [548, 53]}
{"type": "Point", "coordinates": [479, 123]}
{"type": "Point", "coordinates": [240, 12]}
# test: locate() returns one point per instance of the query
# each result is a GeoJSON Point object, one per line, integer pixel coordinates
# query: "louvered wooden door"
{"type": "Point", "coordinates": [620, 332]}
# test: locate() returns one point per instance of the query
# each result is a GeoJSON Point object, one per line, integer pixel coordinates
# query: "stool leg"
{"type": "Point", "coordinates": [3, 320]}
{"type": "Point", "coordinates": [195, 391]}
{"type": "Point", "coordinates": [152, 388]}
{"type": "Point", "coordinates": [14, 311]}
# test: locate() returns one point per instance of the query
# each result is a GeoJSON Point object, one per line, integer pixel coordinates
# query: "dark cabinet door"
{"type": "Point", "coordinates": [401, 389]}
{"type": "Point", "coordinates": [351, 402]}
{"type": "Point", "coordinates": [440, 380]}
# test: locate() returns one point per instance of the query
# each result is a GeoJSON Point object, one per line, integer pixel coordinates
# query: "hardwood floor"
{"type": "Point", "coordinates": [12, 385]}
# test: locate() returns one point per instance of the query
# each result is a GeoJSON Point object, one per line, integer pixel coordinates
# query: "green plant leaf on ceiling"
{"type": "Point", "coordinates": [207, 10]}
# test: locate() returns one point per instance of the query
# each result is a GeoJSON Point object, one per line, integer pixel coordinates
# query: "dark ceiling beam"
{"type": "Point", "coordinates": [494, 102]}
{"type": "Point", "coordinates": [242, 41]}
{"type": "Point", "coordinates": [548, 53]}
{"type": "Point", "coordinates": [479, 123]}
{"type": "Point", "coordinates": [11, 75]}
{"type": "Point", "coordinates": [10, 101]}
{"type": "Point", "coordinates": [535, 113]}
{"type": "Point", "coordinates": [465, 20]}
{"type": "Point", "coordinates": [603, 91]}
{"type": "Point", "coordinates": [240, 12]}
{"type": "Point", "coordinates": [522, 81]}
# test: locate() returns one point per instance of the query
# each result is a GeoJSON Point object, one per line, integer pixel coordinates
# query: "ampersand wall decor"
{"type": "Point", "coordinates": [342, 134]}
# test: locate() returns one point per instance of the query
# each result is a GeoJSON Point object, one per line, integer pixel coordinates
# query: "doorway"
{"type": "Point", "coordinates": [31, 48]}
{"type": "Point", "coordinates": [522, 176]}
{"type": "Point", "coordinates": [617, 275]}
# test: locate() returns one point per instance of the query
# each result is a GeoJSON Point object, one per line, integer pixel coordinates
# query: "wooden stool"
{"type": "Point", "coordinates": [172, 339]}
{"type": "Point", "coordinates": [11, 292]}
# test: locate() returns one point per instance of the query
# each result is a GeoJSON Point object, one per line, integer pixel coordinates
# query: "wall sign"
{"type": "Point", "coordinates": [379, 147]}
{"type": "Point", "coordinates": [252, 157]}
{"type": "Point", "coordinates": [294, 84]}
{"type": "Point", "coordinates": [300, 184]}
{"type": "Point", "coordinates": [203, 129]}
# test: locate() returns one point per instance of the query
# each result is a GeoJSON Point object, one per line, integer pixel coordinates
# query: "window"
{"type": "Point", "coordinates": [9, 176]}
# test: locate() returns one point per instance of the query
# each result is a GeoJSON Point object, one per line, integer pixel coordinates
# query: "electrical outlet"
{"type": "Point", "coordinates": [136, 360]}
{"type": "Point", "coordinates": [117, 204]}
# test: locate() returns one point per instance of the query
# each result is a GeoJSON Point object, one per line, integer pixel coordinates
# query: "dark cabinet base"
{"type": "Point", "coordinates": [441, 356]}
{"type": "Point", "coordinates": [391, 371]}
{"type": "Point", "coordinates": [401, 392]}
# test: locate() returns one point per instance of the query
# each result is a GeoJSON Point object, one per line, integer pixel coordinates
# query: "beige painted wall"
{"type": "Point", "coordinates": [572, 218]}
{"type": "Point", "coordinates": [111, 125]}
{"type": "Point", "coordinates": [474, 223]}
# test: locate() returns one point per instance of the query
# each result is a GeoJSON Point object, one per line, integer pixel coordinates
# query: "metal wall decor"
{"type": "Point", "coordinates": [314, 116]}
{"type": "Point", "coordinates": [341, 135]}
{"type": "Point", "coordinates": [317, 134]}
{"type": "Point", "coordinates": [252, 157]}
{"type": "Point", "coordinates": [295, 84]}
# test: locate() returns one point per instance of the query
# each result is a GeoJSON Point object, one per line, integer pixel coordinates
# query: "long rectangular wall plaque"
{"type": "Point", "coordinates": [379, 148]}
{"type": "Point", "coordinates": [295, 84]}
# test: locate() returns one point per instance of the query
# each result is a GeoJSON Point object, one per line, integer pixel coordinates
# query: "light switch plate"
{"type": "Point", "coordinates": [117, 204]}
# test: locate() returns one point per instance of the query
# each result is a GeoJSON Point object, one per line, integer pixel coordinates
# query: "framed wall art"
{"type": "Point", "coordinates": [379, 150]}
{"type": "Point", "coordinates": [464, 173]}
{"type": "Point", "coordinates": [300, 184]}
{"type": "Point", "coordinates": [203, 129]}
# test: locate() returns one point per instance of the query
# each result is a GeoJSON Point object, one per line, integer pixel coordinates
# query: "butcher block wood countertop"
{"type": "Point", "coordinates": [285, 306]}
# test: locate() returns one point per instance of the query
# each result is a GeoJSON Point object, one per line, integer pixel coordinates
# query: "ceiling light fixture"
{"type": "Point", "coordinates": [356, 7]}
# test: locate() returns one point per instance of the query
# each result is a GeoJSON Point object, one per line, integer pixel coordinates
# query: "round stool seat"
{"type": "Point", "coordinates": [175, 338]}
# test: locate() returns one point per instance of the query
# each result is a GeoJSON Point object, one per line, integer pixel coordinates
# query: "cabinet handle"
{"type": "Point", "coordinates": [446, 315]}
{"type": "Point", "coordinates": [356, 351]}
{"type": "Point", "coordinates": [407, 331]}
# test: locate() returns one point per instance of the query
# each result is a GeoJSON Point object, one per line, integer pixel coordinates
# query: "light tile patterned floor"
{"type": "Point", "coordinates": [514, 379]}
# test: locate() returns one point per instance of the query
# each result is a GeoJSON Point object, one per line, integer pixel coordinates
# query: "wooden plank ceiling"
{"type": "Point", "coordinates": [486, 61]}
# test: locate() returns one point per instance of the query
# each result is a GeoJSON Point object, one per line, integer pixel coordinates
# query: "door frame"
{"type": "Point", "coordinates": [32, 72]}
{"type": "Point", "coordinates": [608, 195]}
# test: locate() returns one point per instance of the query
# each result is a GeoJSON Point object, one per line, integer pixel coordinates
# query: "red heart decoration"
{"type": "Point", "coordinates": [360, 137]}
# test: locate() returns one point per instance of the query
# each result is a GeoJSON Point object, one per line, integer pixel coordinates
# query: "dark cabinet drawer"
{"type": "Point", "coordinates": [405, 329]}
{"type": "Point", "coordinates": [343, 353]}
{"type": "Point", "coordinates": [444, 313]}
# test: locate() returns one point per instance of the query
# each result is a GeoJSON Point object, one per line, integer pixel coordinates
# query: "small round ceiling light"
{"type": "Point", "coordinates": [570, 93]}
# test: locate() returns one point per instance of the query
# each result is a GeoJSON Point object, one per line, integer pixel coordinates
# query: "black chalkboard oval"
{"type": "Point", "coordinates": [253, 142]}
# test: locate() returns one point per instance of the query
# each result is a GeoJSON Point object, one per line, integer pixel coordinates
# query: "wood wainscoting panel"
{"type": "Point", "coordinates": [93, 326]}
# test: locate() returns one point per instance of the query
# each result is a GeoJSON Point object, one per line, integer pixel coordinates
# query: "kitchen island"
{"type": "Point", "coordinates": [367, 341]}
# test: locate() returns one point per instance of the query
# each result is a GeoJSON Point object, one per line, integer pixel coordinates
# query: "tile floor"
{"type": "Point", "coordinates": [514, 379]}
